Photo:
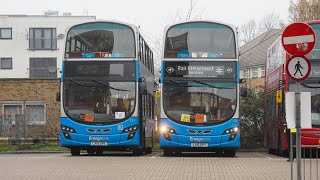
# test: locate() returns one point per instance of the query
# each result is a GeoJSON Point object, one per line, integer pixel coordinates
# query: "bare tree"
{"type": "Point", "coordinates": [268, 22]}
{"type": "Point", "coordinates": [304, 10]}
{"type": "Point", "coordinates": [181, 15]}
{"type": "Point", "coordinates": [251, 29]}
{"type": "Point", "coordinates": [248, 31]}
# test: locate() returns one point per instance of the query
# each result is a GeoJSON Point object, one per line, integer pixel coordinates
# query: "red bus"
{"type": "Point", "coordinates": [275, 138]}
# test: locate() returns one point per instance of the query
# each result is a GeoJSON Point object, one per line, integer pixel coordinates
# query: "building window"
{"type": "Point", "coordinates": [242, 74]}
{"type": "Point", "coordinates": [43, 68]}
{"type": "Point", "coordinates": [6, 63]}
{"type": "Point", "coordinates": [42, 39]}
{"type": "Point", "coordinates": [24, 112]}
{"type": "Point", "coordinates": [5, 33]}
{"type": "Point", "coordinates": [263, 71]}
{"type": "Point", "coordinates": [255, 72]}
{"type": "Point", "coordinates": [35, 113]}
{"type": "Point", "coordinates": [12, 112]}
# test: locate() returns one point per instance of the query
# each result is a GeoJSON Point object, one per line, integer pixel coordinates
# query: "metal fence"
{"type": "Point", "coordinates": [310, 155]}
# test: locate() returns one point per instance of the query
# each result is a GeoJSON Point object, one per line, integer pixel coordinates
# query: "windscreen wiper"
{"type": "Point", "coordinates": [77, 82]}
{"type": "Point", "coordinates": [203, 83]}
{"type": "Point", "coordinates": [179, 83]}
{"type": "Point", "coordinates": [209, 85]}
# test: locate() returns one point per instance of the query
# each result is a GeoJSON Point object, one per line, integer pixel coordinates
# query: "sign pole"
{"type": "Point", "coordinates": [298, 127]}
{"type": "Point", "coordinates": [298, 39]}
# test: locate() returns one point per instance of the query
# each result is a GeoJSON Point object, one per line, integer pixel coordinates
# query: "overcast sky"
{"type": "Point", "coordinates": [153, 15]}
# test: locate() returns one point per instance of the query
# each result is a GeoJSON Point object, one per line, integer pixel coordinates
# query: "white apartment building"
{"type": "Point", "coordinates": [32, 46]}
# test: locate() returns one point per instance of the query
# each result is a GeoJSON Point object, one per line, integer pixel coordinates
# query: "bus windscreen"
{"type": "Point", "coordinates": [100, 40]}
{"type": "Point", "coordinates": [200, 40]}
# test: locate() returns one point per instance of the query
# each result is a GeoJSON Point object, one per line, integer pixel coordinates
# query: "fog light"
{"type": "Point", "coordinates": [167, 137]}
{"type": "Point", "coordinates": [131, 135]}
{"type": "Point", "coordinates": [232, 137]}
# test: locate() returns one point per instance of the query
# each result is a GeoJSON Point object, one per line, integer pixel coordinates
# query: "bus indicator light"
{"type": "Point", "coordinates": [279, 96]}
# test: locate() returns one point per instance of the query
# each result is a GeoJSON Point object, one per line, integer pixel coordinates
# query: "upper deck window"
{"type": "Point", "coordinates": [100, 40]}
{"type": "Point", "coordinates": [200, 40]}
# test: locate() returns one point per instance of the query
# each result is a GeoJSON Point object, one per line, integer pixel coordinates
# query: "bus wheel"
{"type": "Point", "coordinates": [271, 151]}
{"type": "Point", "coordinates": [177, 153]}
{"type": "Point", "coordinates": [148, 150]}
{"type": "Point", "coordinates": [75, 151]}
{"type": "Point", "coordinates": [90, 152]}
{"type": "Point", "coordinates": [167, 152]}
{"type": "Point", "coordinates": [137, 152]}
{"type": "Point", "coordinates": [230, 153]}
{"type": "Point", "coordinates": [99, 152]}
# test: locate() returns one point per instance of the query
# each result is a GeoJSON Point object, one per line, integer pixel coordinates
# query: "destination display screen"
{"type": "Point", "coordinates": [200, 69]}
{"type": "Point", "coordinates": [111, 69]}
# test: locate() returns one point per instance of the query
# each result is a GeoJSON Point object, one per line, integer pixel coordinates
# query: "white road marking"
{"type": "Point", "coordinates": [24, 156]}
{"type": "Point", "coordinates": [298, 39]}
{"type": "Point", "coordinates": [156, 155]}
{"type": "Point", "coordinates": [263, 155]}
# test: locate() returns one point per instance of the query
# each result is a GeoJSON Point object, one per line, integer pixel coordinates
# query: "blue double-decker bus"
{"type": "Point", "coordinates": [199, 88]}
{"type": "Point", "coordinates": [107, 89]}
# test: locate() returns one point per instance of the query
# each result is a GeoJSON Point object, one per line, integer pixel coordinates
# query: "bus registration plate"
{"type": "Point", "coordinates": [98, 143]}
{"type": "Point", "coordinates": [199, 144]}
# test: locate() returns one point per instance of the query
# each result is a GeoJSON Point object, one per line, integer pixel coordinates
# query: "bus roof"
{"type": "Point", "coordinates": [207, 21]}
{"type": "Point", "coordinates": [133, 27]}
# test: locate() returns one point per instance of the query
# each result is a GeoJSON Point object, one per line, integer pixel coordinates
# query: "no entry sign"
{"type": "Point", "coordinates": [298, 39]}
{"type": "Point", "coordinates": [298, 68]}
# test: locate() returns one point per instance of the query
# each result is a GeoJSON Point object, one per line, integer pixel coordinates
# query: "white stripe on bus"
{"type": "Point", "coordinates": [298, 39]}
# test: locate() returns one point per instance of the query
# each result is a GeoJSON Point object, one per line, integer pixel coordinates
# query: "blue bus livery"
{"type": "Point", "coordinates": [199, 87]}
{"type": "Point", "coordinates": [107, 89]}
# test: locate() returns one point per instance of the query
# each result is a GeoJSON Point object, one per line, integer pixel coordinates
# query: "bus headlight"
{"type": "Point", "coordinates": [67, 129]}
{"type": "Point", "coordinates": [166, 131]}
{"type": "Point", "coordinates": [163, 129]}
{"type": "Point", "coordinates": [131, 130]}
{"type": "Point", "coordinates": [233, 133]}
{"type": "Point", "coordinates": [233, 130]}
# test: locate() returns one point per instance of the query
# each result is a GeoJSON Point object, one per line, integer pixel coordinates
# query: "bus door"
{"type": "Point", "coordinates": [142, 109]}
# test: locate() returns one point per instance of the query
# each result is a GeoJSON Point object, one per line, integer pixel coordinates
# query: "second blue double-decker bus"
{"type": "Point", "coordinates": [199, 88]}
{"type": "Point", "coordinates": [107, 89]}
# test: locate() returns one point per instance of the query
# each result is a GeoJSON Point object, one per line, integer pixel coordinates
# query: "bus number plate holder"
{"type": "Point", "coordinates": [98, 143]}
{"type": "Point", "coordinates": [199, 144]}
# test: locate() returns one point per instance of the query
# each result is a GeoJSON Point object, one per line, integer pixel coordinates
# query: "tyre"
{"type": "Point", "coordinates": [177, 153]}
{"type": "Point", "coordinates": [137, 152]}
{"type": "Point", "coordinates": [230, 153]}
{"type": "Point", "coordinates": [99, 152]}
{"type": "Point", "coordinates": [90, 152]}
{"type": "Point", "coordinates": [148, 150]}
{"type": "Point", "coordinates": [75, 151]}
{"type": "Point", "coordinates": [167, 152]}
